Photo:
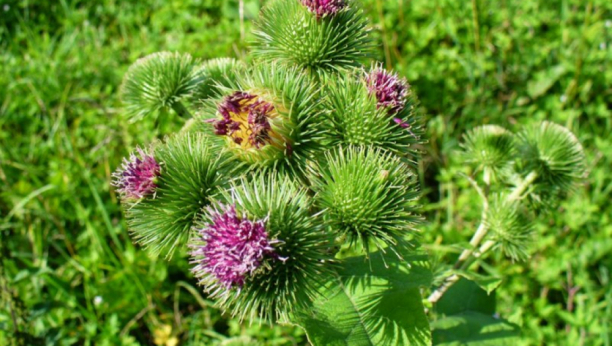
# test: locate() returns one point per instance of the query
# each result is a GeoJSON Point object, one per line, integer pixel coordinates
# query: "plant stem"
{"type": "Point", "coordinates": [189, 124]}
{"type": "Point", "coordinates": [476, 26]}
{"type": "Point", "coordinates": [481, 232]}
{"type": "Point", "coordinates": [468, 255]}
{"type": "Point", "coordinates": [521, 188]}
{"type": "Point", "coordinates": [181, 110]}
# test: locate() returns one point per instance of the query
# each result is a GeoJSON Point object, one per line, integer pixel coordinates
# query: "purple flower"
{"type": "Point", "coordinates": [322, 8]}
{"type": "Point", "coordinates": [234, 247]}
{"type": "Point", "coordinates": [245, 119]}
{"type": "Point", "coordinates": [405, 125]}
{"type": "Point", "coordinates": [390, 91]}
{"type": "Point", "coordinates": [137, 176]}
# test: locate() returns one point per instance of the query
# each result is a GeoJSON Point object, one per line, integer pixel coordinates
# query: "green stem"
{"type": "Point", "coordinates": [468, 256]}
{"type": "Point", "coordinates": [476, 25]}
{"type": "Point", "coordinates": [189, 125]}
{"type": "Point", "coordinates": [181, 110]}
{"type": "Point", "coordinates": [522, 187]}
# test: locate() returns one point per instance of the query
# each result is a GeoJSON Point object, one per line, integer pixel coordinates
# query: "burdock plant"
{"type": "Point", "coordinates": [293, 186]}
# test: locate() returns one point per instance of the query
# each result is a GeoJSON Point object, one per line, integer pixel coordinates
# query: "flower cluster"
{"type": "Point", "coordinates": [246, 120]}
{"type": "Point", "coordinates": [390, 91]}
{"type": "Point", "coordinates": [322, 8]}
{"type": "Point", "coordinates": [234, 248]}
{"type": "Point", "coordinates": [137, 177]}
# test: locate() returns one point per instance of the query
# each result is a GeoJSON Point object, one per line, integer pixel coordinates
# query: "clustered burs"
{"type": "Point", "coordinates": [323, 8]}
{"type": "Point", "coordinates": [234, 247]}
{"type": "Point", "coordinates": [137, 176]}
{"type": "Point", "coordinates": [246, 119]}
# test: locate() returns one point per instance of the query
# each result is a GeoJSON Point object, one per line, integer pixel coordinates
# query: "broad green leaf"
{"type": "Point", "coordinates": [467, 317]}
{"type": "Point", "coordinates": [368, 303]}
{"type": "Point", "coordinates": [465, 295]}
{"type": "Point", "coordinates": [544, 80]}
{"type": "Point", "coordinates": [474, 329]}
{"type": "Point", "coordinates": [487, 283]}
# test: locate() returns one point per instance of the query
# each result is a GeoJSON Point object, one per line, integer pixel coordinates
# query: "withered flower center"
{"type": "Point", "coordinates": [247, 121]}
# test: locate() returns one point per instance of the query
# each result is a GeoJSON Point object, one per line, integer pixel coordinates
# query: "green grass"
{"type": "Point", "coordinates": [70, 273]}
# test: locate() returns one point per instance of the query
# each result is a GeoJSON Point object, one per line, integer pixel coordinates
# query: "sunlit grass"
{"type": "Point", "coordinates": [70, 267]}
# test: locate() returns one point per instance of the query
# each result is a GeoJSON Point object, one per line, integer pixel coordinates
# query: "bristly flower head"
{"type": "Point", "coordinates": [318, 36]}
{"type": "Point", "coordinates": [268, 116]}
{"type": "Point", "coordinates": [137, 177]}
{"type": "Point", "coordinates": [246, 120]}
{"type": "Point", "coordinates": [193, 171]}
{"type": "Point", "coordinates": [262, 253]}
{"type": "Point", "coordinates": [234, 247]}
{"type": "Point", "coordinates": [323, 8]}
{"type": "Point", "coordinates": [157, 81]}
{"type": "Point", "coordinates": [357, 117]}
{"type": "Point", "coordinates": [368, 195]}
{"type": "Point", "coordinates": [390, 91]}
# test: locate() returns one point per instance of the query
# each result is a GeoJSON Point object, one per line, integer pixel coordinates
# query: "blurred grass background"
{"type": "Point", "coordinates": [69, 272]}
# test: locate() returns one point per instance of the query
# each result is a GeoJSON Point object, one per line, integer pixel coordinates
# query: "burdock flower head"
{"type": "Point", "coordinates": [390, 91]}
{"type": "Point", "coordinates": [323, 8]}
{"type": "Point", "coordinates": [246, 120]}
{"type": "Point", "coordinates": [234, 248]}
{"type": "Point", "coordinates": [137, 176]}
{"type": "Point", "coordinates": [269, 117]}
{"type": "Point", "coordinates": [261, 253]}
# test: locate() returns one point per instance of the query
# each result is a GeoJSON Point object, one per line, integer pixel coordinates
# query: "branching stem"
{"type": "Point", "coordinates": [181, 110]}
{"type": "Point", "coordinates": [189, 125]}
{"type": "Point", "coordinates": [468, 256]}
{"type": "Point", "coordinates": [518, 192]}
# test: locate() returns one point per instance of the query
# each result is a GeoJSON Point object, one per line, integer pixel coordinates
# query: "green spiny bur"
{"type": "Point", "coordinates": [289, 281]}
{"type": "Point", "coordinates": [159, 81]}
{"type": "Point", "coordinates": [296, 123]}
{"type": "Point", "coordinates": [192, 171]}
{"type": "Point", "coordinates": [289, 33]}
{"type": "Point", "coordinates": [553, 153]}
{"type": "Point", "coordinates": [354, 117]}
{"type": "Point", "coordinates": [216, 73]}
{"type": "Point", "coordinates": [368, 195]}
{"type": "Point", "coordinates": [491, 149]}
{"type": "Point", "coordinates": [511, 227]}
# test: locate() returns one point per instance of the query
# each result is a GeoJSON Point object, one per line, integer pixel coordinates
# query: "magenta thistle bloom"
{"type": "Point", "coordinates": [322, 8]}
{"type": "Point", "coordinates": [405, 125]}
{"type": "Point", "coordinates": [245, 119]}
{"type": "Point", "coordinates": [137, 176]}
{"type": "Point", "coordinates": [234, 247]}
{"type": "Point", "coordinates": [390, 91]}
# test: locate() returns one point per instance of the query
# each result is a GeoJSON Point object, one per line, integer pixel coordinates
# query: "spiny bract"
{"type": "Point", "coordinates": [295, 252]}
{"type": "Point", "coordinates": [159, 80]}
{"type": "Point", "coordinates": [368, 196]}
{"type": "Point", "coordinates": [193, 170]}
{"type": "Point", "coordinates": [270, 116]}
{"type": "Point", "coordinates": [317, 37]}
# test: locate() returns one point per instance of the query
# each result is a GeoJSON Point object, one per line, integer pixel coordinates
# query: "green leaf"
{"type": "Point", "coordinates": [487, 283]}
{"type": "Point", "coordinates": [370, 303]}
{"type": "Point", "coordinates": [474, 329]}
{"type": "Point", "coordinates": [543, 81]}
{"type": "Point", "coordinates": [466, 295]}
{"type": "Point", "coordinates": [43, 308]}
{"type": "Point", "coordinates": [468, 311]}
